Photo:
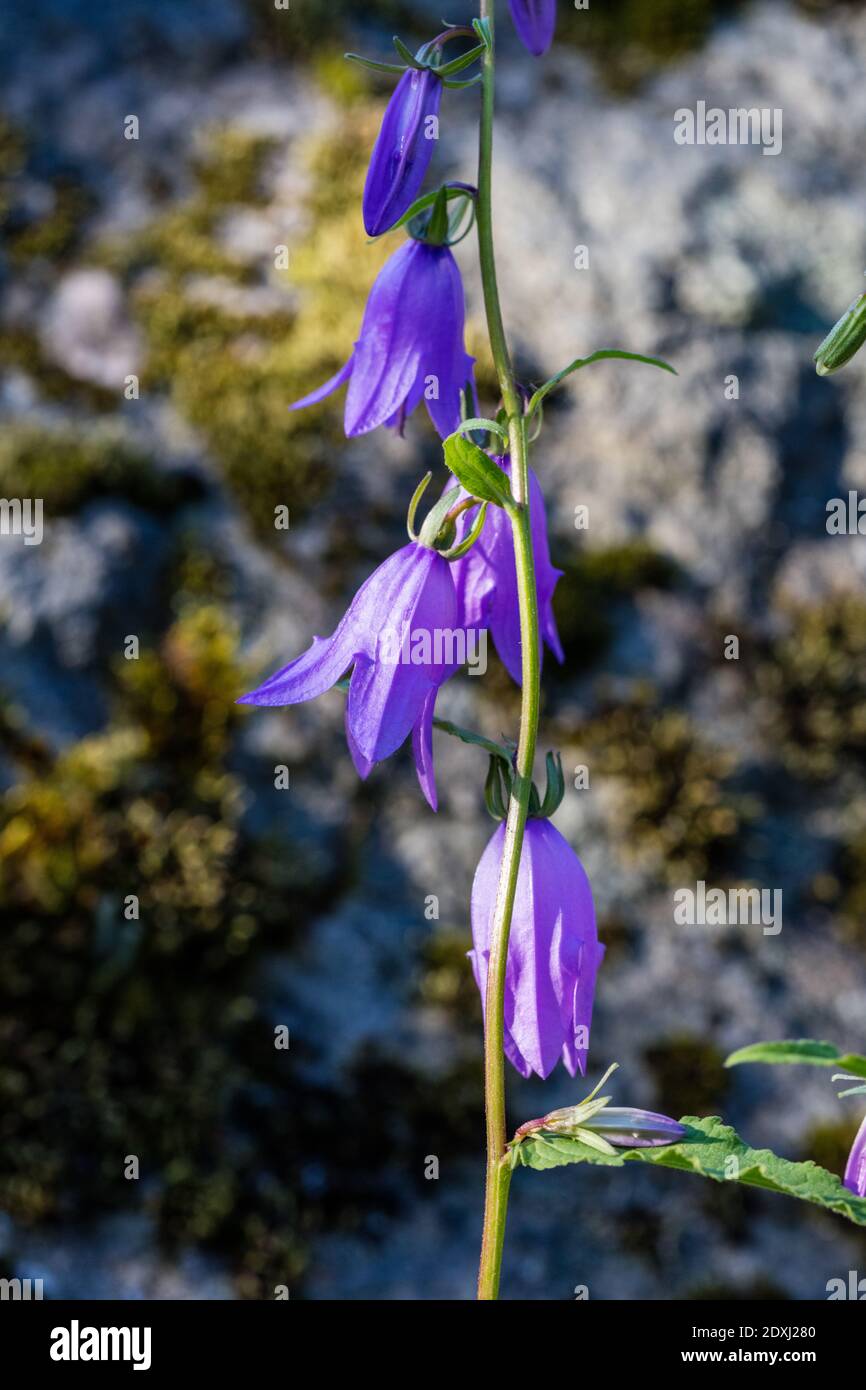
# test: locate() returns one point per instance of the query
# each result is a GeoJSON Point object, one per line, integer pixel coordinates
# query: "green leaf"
{"type": "Point", "coordinates": [804, 1050]}
{"type": "Point", "coordinates": [708, 1150]}
{"type": "Point", "coordinates": [602, 355]}
{"type": "Point", "coordinates": [497, 750]}
{"type": "Point", "coordinates": [477, 472]}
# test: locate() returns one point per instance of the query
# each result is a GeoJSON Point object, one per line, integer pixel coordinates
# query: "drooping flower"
{"type": "Point", "coordinates": [403, 149]}
{"type": "Point", "coordinates": [855, 1172]}
{"type": "Point", "coordinates": [553, 950]}
{"type": "Point", "coordinates": [410, 345]}
{"type": "Point", "coordinates": [486, 581]}
{"type": "Point", "coordinates": [535, 21]}
{"type": "Point", "coordinates": [395, 636]}
{"type": "Point", "coordinates": [627, 1128]}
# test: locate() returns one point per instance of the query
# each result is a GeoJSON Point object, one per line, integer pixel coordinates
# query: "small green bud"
{"type": "Point", "coordinates": [844, 339]}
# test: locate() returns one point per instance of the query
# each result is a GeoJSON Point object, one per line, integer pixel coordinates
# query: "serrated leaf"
{"type": "Point", "coordinates": [477, 472]}
{"type": "Point", "coordinates": [804, 1051]}
{"type": "Point", "coordinates": [708, 1150]}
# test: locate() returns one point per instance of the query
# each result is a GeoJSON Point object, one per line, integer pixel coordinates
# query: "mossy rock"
{"type": "Point", "coordinates": [594, 582]}
{"type": "Point", "coordinates": [675, 811]}
{"type": "Point", "coordinates": [689, 1075]}
{"type": "Point", "coordinates": [812, 685]}
{"type": "Point", "coordinates": [70, 467]}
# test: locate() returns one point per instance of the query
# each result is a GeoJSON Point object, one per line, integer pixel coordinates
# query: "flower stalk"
{"type": "Point", "coordinates": [498, 1172]}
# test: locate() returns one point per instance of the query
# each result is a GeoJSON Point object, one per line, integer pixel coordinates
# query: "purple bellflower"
{"type": "Point", "coordinates": [403, 149]}
{"type": "Point", "coordinates": [855, 1172]}
{"type": "Point", "coordinates": [410, 345]}
{"type": "Point", "coordinates": [627, 1128]}
{"type": "Point", "coordinates": [391, 637]}
{"type": "Point", "coordinates": [553, 950]}
{"type": "Point", "coordinates": [486, 580]}
{"type": "Point", "coordinates": [535, 21]}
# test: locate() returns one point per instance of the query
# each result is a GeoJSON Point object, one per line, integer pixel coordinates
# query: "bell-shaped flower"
{"type": "Point", "coordinates": [535, 21]}
{"type": "Point", "coordinates": [486, 581]}
{"type": "Point", "coordinates": [855, 1172]}
{"type": "Point", "coordinates": [553, 950]}
{"type": "Point", "coordinates": [398, 637]}
{"type": "Point", "coordinates": [403, 149]}
{"type": "Point", "coordinates": [410, 346]}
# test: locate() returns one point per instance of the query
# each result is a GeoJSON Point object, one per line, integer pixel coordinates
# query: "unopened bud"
{"type": "Point", "coordinates": [844, 339]}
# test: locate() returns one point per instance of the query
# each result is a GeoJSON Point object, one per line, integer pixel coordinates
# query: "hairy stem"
{"type": "Point", "coordinates": [498, 1168]}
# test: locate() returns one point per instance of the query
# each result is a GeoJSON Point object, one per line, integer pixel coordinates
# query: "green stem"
{"type": "Point", "coordinates": [498, 1169]}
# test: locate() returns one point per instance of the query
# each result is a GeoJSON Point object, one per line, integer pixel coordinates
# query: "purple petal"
{"type": "Point", "coordinates": [494, 601]}
{"type": "Point", "coordinates": [329, 387]}
{"type": "Point", "coordinates": [386, 695]}
{"type": "Point", "coordinates": [389, 588]}
{"type": "Point", "coordinates": [553, 950]}
{"type": "Point", "coordinates": [422, 749]}
{"type": "Point", "coordinates": [392, 338]}
{"type": "Point", "coordinates": [445, 358]}
{"type": "Point", "coordinates": [626, 1128]}
{"type": "Point", "coordinates": [402, 151]}
{"type": "Point", "coordinates": [855, 1172]}
{"type": "Point", "coordinates": [535, 22]}
{"type": "Point", "coordinates": [363, 766]}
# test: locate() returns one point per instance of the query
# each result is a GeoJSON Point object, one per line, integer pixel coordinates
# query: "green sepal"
{"type": "Point", "coordinates": [495, 799]}
{"type": "Point", "coordinates": [431, 531]}
{"type": "Point", "coordinates": [373, 65]}
{"type": "Point", "coordinates": [555, 789]}
{"type": "Point", "coordinates": [437, 227]}
{"type": "Point", "coordinates": [407, 55]}
{"type": "Point", "coordinates": [456, 552]}
{"type": "Point", "coordinates": [458, 64]}
{"type": "Point", "coordinates": [413, 505]}
{"type": "Point", "coordinates": [477, 472]}
{"type": "Point", "coordinates": [484, 32]}
{"type": "Point", "coordinates": [426, 201]}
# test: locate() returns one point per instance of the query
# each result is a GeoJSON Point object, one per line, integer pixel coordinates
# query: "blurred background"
{"type": "Point", "coordinates": [305, 907]}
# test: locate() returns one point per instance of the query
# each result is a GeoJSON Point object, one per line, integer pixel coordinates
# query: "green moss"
{"type": "Point", "coordinates": [73, 467]}
{"type": "Point", "coordinates": [631, 39]}
{"type": "Point", "coordinates": [830, 1144]}
{"type": "Point", "coordinates": [233, 375]}
{"type": "Point", "coordinates": [20, 350]}
{"type": "Point", "coordinates": [689, 1075]}
{"type": "Point", "coordinates": [594, 583]}
{"type": "Point", "coordinates": [674, 810]}
{"type": "Point", "coordinates": [813, 688]}
{"type": "Point", "coordinates": [125, 1035]}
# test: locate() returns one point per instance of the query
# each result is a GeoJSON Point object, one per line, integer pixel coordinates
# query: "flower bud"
{"type": "Point", "coordinates": [635, 1129]}
{"type": "Point", "coordinates": [844, 339]}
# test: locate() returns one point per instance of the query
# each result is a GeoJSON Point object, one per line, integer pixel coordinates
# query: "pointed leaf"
{"type": "Point", "coordinates": [476, 470]}
{"type": "Point", "coordinates": [804, 1050]}
{"type": "Point", "coordinates": [601, 356]}
{"type": "Point", "coordinates": [711, 1149]}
